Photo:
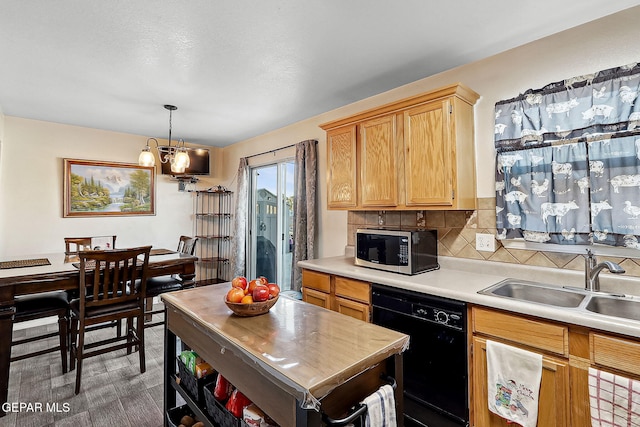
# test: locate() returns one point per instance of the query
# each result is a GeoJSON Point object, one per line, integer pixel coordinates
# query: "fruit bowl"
{"type": "Point", "coordinates": [253, 309]}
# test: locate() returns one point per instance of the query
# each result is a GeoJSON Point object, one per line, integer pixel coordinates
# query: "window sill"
{"type": "Point", "coordinates": [603, 250]}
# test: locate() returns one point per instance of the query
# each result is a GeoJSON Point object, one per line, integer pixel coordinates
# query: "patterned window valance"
{"type": "Point", "coordinates": [568, 161]}
{"type": "Point", "coordinates": [580, 107]}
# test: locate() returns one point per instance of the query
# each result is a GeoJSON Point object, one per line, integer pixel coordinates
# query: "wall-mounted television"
{"type": "Point", "coordinates": [199, 163]}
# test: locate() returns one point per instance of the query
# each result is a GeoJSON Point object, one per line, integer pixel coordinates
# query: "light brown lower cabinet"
{"type": "Point", "coordinates": [554, 391]}
{"type": "Point", "coordinates": [568, 351]}
{"type": "Point", "coordinates": [344, 295]}
{"type": "Point", "coordinates": [353, 308]}
{"type": "Point", "coordinates": [617, 354]}
{"type": "Point", "coordinates": [321, 299]}
{"type": "Point", "coordinates": [546, 338]}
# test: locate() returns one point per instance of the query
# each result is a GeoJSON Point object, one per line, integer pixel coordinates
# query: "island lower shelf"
{"type": "Point", "coordinates": [193, 405]}
{"type": "Point", "coordinates": [291, 379]}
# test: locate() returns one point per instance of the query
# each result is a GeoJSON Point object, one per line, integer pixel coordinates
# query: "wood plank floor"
{"type": "Point", "coordinates": [113, 392]}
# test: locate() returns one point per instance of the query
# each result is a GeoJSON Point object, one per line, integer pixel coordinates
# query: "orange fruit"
{"type": "Point", "coordinates": [247, 299]}
{"type": "Point", "coordinates": [235, 295]}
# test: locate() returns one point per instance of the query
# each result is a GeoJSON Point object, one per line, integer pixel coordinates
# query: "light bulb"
{"type": "Point", "coordinates": [146, 157]}
{"type": "Point", "coordinates": [176, 168]}
{"type": "Point", "coordinates": [181, 160]}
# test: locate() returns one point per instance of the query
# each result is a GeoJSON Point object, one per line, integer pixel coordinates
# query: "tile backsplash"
{"type": "Point", "coordinates": [457, 236]}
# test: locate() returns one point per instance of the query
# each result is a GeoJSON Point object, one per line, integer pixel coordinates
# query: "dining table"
{"type": "Point", "coordinates": [24, 275]}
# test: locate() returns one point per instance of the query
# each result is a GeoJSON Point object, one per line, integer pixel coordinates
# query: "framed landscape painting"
{"type": "Point", "coordinates": [93, 188]}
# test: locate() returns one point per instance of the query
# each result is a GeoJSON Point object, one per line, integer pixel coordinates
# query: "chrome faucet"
{"type": "Point", "coordinates": [592, 271]}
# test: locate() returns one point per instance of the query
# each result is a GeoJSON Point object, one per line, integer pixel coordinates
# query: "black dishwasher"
{"type": "Point", "coordinates": [435, 365]}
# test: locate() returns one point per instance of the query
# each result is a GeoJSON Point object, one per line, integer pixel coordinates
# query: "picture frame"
{"type": "Point", "coordinates": [97, 188]}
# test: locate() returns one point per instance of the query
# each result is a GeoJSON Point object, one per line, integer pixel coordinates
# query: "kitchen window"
{"type": "Point", "coordinates": [568, 162]}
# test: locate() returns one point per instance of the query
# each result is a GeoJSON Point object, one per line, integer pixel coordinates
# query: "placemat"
{"type": "Point", "coordinates": [34, 262]}
{"type": "Point", "coordinates": [88, 265]}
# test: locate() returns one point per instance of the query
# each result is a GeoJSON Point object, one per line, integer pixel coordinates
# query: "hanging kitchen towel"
{"type": "Point", "coordinates": [381, 408]}
{"type": "Point", "coordinates": [513, 383]}
{"type": "Point", "coordinates": [614, 400]}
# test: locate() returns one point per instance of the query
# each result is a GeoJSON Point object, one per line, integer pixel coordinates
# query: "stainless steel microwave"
{"type": "Point", "coordinates": [399, 251]}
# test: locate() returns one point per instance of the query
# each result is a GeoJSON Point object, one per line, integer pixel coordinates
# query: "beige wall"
{"type": "Point", "coordinates": [608, 42]}
{"type": "Point", "coordinates": [31, 172]}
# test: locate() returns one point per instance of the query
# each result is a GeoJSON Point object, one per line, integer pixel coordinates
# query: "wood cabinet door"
{"type": "Point", "coordinates": [616, 354]}
{"type": "Point", "coordinates": [553, 404]}
{"type": "Point", "coordinates": [378, 169]}
{"type": "Point", "coordinates": [543, 335]}
{"type": "Point", "coordinates": [353, 289]}
{"type": "Point", "coordinates": [316, 280]}
{"type": "Point", "coordinates": [610, 351]}
{"type": "Point", "coordinates": [428, 155]}
{"type": "Point", "coordinates": [351, 308]}
{"type": "Point", "coordinates": [341, 167]}
{"type": "Point", "coordinates": [318, 298]}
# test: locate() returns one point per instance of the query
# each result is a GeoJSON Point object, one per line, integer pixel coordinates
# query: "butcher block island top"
{"type": "Point", "coordinates": [287, 361]}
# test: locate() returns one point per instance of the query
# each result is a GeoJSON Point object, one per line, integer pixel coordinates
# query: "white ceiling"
{"type": "Point", "coordinates": [237, 69]}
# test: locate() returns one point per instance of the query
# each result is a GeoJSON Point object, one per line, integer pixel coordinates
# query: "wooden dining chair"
{"type": "Point", "coordinates": [41, 306]}
{"type": "Point", "coordinates": [161, 284]}
{"type": "Point", "coordinates": [49, 304]}
{"type": "Point", "coordinates": [73, 245]}
{"type": "Point", "coordinates": [106, 295]}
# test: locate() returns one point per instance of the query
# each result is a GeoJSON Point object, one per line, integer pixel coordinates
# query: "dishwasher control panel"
{"type": "Point", "coordinates": [443, 316]}
{"type": "Point", "coordinates": [428, 308]}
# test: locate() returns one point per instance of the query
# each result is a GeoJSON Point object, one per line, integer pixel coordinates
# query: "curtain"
{"type": "Point", "coordinates": [615, 191]}
{"type": "Point", "coordinates": [568, 161]}
{"type": "Point", "coordinates": [539, 197]}
{"type": "Point", "coordinates": [239, 245]}
{"type": "Point", "coordinates": [304, 207]}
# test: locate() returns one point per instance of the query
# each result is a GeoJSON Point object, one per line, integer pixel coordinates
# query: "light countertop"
{"type": "Point", "coordinates": [461, 279]}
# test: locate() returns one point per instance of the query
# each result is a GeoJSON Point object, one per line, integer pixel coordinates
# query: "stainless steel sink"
{"type": "Point", "coordinates": [540, 293]}
{"type": "Point", "coordinates": [617, 307]}
{"type": "Point", "coordinates": [614, 305]}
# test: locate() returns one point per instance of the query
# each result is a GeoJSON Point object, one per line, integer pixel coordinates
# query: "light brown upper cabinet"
{"type": "Point", "coordinates": [341, 167]}
{"type": "Point", "coordinates": [378, 176]}
{"type": "Point", "coordinates": [416, 153]}
{"type": "Point", "coordinates": [427, 155]}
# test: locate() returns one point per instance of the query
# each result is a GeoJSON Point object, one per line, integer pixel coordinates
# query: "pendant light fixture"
{"type": "Point", "coordinates": [176, 155]}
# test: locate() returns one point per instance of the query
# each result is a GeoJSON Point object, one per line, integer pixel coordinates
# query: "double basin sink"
{"type": "Point", "coordinates": [601, 303]}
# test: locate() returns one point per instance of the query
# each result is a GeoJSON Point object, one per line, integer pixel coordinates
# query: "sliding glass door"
{"type": "Point", "coordinates": [271, 223]}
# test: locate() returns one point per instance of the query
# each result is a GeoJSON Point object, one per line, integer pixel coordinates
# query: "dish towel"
{"type": "Point", "coordinates": [513, 383]}
{"type": "Point", "coordinates": [614, 400]}
{"type": "Point", "coordinates": [381, 408]}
